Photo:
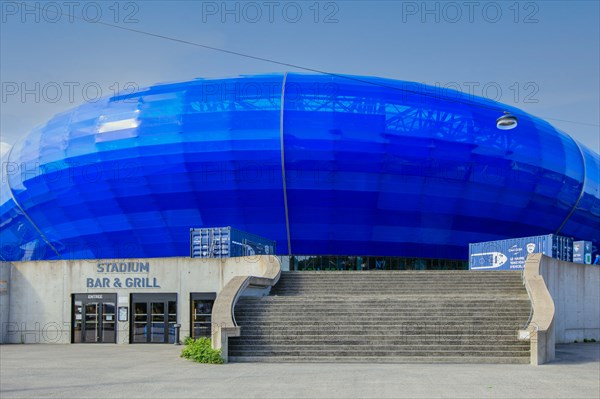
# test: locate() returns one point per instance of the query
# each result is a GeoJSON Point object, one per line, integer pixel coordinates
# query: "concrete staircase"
{"type": "Point", "coordinates": [385, 316]}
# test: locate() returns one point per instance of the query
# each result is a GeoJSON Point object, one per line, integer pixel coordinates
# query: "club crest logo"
{"type": "Point", "coordinates": [530, 248]}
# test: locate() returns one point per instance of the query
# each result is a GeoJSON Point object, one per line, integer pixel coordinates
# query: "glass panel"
{"type": "Point", "coordinates": [172, 320]}
{"type": "Point", "coordinates": [108, 322]}
{"type": "Point", "coordinates": [201, 318]}
{"type": "Point", "coordinates": [91, 323]}
{"type": "Point", "coordinates": [382, 263]}
{"type": "Point", "coordinates": [327, 263]}
{"type": "Point", "coordinates": [157, 332]}
{"type": "Point", "coordinates": [360, 263]}
{"type": "Point", "coordinates": [77, 321]}
{"type": "Point", "coordinates": [140, 322]}
{"type": "Point", "coordinates": [371, 262]}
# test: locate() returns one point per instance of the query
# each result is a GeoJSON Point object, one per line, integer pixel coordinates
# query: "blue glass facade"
{"type": "Point", "coordinates": [324, 165]}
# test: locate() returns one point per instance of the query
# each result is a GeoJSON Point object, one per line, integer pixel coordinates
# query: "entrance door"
{"type": "Point", "coordinates": [93, 318]}
{"type": "Point", "coordinates": [153, 318]}
{"type": "Point", "coordinates": [201, 306]}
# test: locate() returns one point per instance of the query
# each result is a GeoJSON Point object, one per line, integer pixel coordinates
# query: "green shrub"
{"type": "Point", "coordinates": [201, 351]}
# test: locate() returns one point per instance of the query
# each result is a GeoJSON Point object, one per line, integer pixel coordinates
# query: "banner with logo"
{"type": "Point", "coordinates": [582, 252]}
{"type": "Point", "coordinates": [511, 254]}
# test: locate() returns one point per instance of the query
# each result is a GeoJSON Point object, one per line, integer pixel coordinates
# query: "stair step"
{"type": "Point", "coordinates": [431, 337]}
{"type": "Point", "coordinates": [333, 294]}
{"type": "Point", "coordinates": [390, 302]}
{"type": "Point", "coordinates": [360, 317]}
{"type": "Point", "coordinates": [357, 308]}
{"type": "Point", "coordinates": [374, 329]}
{"type": "Point", "coordinates": [409, 273]}
{"type": "Point", "coordinates": [401, 311]}
{"type": "Point", "coordinates": [379, 353]}
{"type": "Point", "coordinates": [325, 329]}
{"type": "Point", "coordinates": [370, 344]}
{"type": "Point", "coordinates": [401, 321]}
{"type": "Point", "coordinates": [392, 312]}
{"type": "Point", "coordinates": [387, 359]}
{"type": "Point", "coordinates": [364, 347]}
{"type": "Point", "coordinates": [388, 322]}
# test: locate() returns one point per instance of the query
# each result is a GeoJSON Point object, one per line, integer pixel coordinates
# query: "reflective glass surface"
{"type": "Point", "coordinates": [348, 165]}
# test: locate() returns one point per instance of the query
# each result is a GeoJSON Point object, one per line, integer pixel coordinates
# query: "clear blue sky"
{"type": "Point", "coordinates": [549, 50]}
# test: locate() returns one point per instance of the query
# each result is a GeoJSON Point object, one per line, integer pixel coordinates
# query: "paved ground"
{"type": "Point", "coordinates": [145, 371]}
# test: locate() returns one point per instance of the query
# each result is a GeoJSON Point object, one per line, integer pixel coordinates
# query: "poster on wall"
{"type": "Point", "coordinates": [123, 314]}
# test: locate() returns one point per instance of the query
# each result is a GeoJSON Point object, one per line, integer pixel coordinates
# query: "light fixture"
{"type": "Point", "coordinates": [506, 121]}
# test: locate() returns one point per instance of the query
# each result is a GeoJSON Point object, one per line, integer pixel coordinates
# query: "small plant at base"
{"type": "Point", "coordinates": [201, 351]}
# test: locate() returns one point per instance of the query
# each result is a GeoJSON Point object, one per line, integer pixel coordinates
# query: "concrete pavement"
{"type": "Point", "coordinates": [157, 371]}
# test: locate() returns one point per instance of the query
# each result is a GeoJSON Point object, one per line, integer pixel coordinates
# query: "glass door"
{"type": "Point", "coordinates": [90, 323]}
{"type": "Point", "coordinates": [109, 322]}
{"type": "Point", "coordinates": [201, 317]}
{"type": "Point", "coordinates": [157, 333]}
{"type": "Point", "coordinates": [77, 336]}
{"type": "Point", "coordinates": [140, 322]}
{"type": "Point", "coordinates": [93, 318]}
{"type": "Point", "coordinates": [172, 317]}
{"type": "Point", "coordinates": [153, 318]}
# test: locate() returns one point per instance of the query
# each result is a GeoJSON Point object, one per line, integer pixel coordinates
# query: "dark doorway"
{"type": "Point", "coordinates": [153, 318]}
{"type": "Point", "coordinates": [201, 307]}
{"type": "Point", "coordinates": [93, 318]}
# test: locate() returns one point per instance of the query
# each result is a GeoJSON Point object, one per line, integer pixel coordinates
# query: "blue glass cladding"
{"type": "Point", "coordinates": [585, 220]}
{"type": "Point", "coordinates": [382, 169]}
{"type": "Point", "coordinates": [373, 167]}
{"type": "Point", "coordinates": [132, 174]}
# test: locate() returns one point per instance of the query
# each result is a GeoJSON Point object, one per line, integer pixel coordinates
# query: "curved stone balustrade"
{"type": "Point", "coordinates": [223, 320]}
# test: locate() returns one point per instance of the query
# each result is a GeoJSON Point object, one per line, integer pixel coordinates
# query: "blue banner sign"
{"type": "Point", "coordinates": [582, 252]}
{"type": "Point", "coordinates": [511, 254]}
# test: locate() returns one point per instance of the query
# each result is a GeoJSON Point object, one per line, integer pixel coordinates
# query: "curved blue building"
{"type": "Point", "coordinates": [324, 165]}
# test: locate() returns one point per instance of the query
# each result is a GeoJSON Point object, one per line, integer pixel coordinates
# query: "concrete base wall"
{"type": "Point", "coordinates": [4, 297]}
{"type": "Point", "coordinates": [35, 306]}
{"type": "Point", "coordinates": [575, 290]}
